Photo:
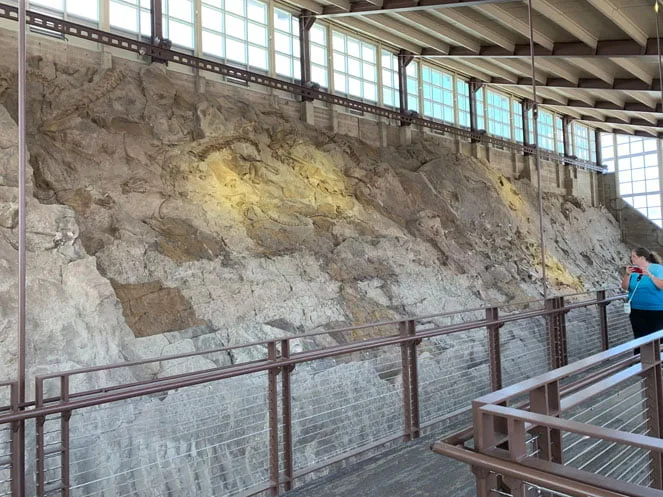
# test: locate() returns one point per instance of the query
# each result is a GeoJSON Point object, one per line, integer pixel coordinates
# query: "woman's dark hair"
{"type": "Point", "coordinates": [652, 257]}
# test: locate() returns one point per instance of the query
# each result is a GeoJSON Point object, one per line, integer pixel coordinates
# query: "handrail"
{"type": "Point", "coordinates": [137, 389]}
{"type": "Point", "coordinates": [501, 431]}
{"type": "Point", "coordinates": [577, 367]}
{"type": "Point", "coordinates": [370, 343]}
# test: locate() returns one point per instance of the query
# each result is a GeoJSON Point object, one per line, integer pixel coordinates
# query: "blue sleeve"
{"type": "Point", "coordinates": [656, 270]}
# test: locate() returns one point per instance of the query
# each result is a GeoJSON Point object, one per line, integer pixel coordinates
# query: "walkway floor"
{"type": "Point", "coordinates": [408, 470]}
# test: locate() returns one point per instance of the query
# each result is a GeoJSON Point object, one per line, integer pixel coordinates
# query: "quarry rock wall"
{"type": "Point", "coordinates": [171, 214]}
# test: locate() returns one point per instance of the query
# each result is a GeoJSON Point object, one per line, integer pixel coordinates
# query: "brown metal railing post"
{"type": "Point", "coordinates": [556, 326]}
{"type": "Point", "coordinates": [603, 319]}
{"type": "Point", "coordinates": [41, 451]}
{"type": "Point", "coordinates": [546, 400]}
{"type": "Point", "coordinates": [551, 328]}
{"type": "Point", "coordinates": [64, 436]}
{"type": "Point", "coordinates": [410, 381]}
{"type": "Point", "coordinates": [484, 438]}
{"type": "Point", "coordinates": [286, 400]}
{"type": "Point", "coordinates": [650, 354]}
{"type": "Point", "coordinates": [517, 450]}
{"type": "Point", "coordinates": [18, 430]}
{"type": "Point", "coordinates": [492, 314]}
{"type": "Point", "coordinates": [272, 401]}
{"type": "Point", "coordinates": [561, 320]}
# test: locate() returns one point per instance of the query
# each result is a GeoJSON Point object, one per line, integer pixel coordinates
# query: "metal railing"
{"type": "Point", "coordinates": [592, 428]}
{"type": "Point", "coordinates": [288, 409]}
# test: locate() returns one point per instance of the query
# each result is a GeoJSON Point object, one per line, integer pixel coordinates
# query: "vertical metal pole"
{"type": "Point", "coordinates": [565, 136]}
{"type": "Point", "coordinates": [650, 354]}
{"type": "Point", "coordinates": [272, 401]}
{"type": "Point", "coordinates": [64, 437]}
{"type": "Point", "coordinates": [404, 59]}
{"type": "Point", "coordinates": [407, 384]}
{"type": "Point", "coordinates": [22, 161]}
{"type": "Point", "coordinates": [561, 331]}
{"type": "Point", "coordinates": [306, 21]}
{"type": "Point", "coordinates": [474, 86]}
{"type": "Point", "coordinates": [286, 399]}
{"type": "Point", "coordinates": [492, 314]}
{"type": "Point", "coordinates": [410, 381]}
{"type": "Point", "coordinates": [41, 449]}
{"type": "Point", "coordinates": [156, 19]}
{"type": "Point", "coordinates": [551, 333]}
{"type": "Point", "coordinates": [597, 146]}
{"type": "Point", "coordinates": [535, 122]}
{"type": "Point", "coordinates": [414, 381]}
{"type": "Point", "coordinates": [603, 319]}
{"type": "Point", "coordinates": [525, 109]}
{"type": "Point", "coordinates": [15, 476]}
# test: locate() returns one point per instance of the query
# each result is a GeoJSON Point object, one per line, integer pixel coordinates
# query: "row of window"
{"type": "Point", "coordinates": [636, 162]}
{"type": "Point", "coordinates": [238, 31]}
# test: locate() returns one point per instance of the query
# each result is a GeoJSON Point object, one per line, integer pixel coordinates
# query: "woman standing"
{"type": "Point", "coordinates": [644, 282]}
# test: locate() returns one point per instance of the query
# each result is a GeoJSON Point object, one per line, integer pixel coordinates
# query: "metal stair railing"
{"type": "Point", "coordinates": [601, 437]}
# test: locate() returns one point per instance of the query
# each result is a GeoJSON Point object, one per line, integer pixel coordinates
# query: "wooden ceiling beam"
{"type": "Point", "coordinates": [441, 29]}
{"type": "Point", "coordinates": [623, 21]}
{"type": "Point", "coordinates": [364, 7]}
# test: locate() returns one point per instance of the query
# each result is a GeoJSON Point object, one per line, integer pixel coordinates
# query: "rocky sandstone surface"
{"type": "Point", "coordinates": [162, 219]}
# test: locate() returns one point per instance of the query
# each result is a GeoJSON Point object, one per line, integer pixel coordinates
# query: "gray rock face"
{"type": "Point", "coordinates": [246, 227]}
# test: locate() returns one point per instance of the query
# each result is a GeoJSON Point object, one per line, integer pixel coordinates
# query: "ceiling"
{"type": "Point", "coordinates": [596, 60]}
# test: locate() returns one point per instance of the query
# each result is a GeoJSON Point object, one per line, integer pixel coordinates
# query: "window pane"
{"type": "Point", "coordinates": [181, 9]}
{"type": "Point", "coordinates": [51, 4]}
{"type": "Point", "coordinates": [257, 11]}
{"type": "Point", "coordinates": [237, 7]}
{"type": "Point", "coordinates": [318, 35]}
{"type": "Point", "coordinates": [212, 44]}
{"type": "Point", "coordinates": [258, 57]}
{"type": "Point", "coordinates": [84, 8]}
{"type": "Point", "coordinates": [212, 19]}
{"type": "Point", "coordinates": [236, 51]}
{"type": "Point", "coordinates": [282, 43]}
{"type": "Point", "coordinates": [281, 20]}
{"type": "Point", "coordinates": [283, 65]}
{"type": "Point", "coordinates": [123, 17]}
{"type": "Point", "coordinates": [257, 34]}
{"type": "Point", "coordinates": [180, 34]}
{"type": "Point", "coordinates": [236, 27]}
{"type": "Point", "coordinates": [318, 55]}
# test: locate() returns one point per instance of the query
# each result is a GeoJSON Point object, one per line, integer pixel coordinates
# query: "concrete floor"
{"type": "Point", "coordinates": [408, 470]}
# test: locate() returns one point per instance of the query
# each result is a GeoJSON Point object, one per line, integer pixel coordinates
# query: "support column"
{"type": "Point", "coordinates": [475, 86]}
{"type": "Point", "coordinates": [526, 105]}
{"type": "Point", "coordinates": [597, 145]}
{"type": "Point", "coordinates": [566, 120]}
{"type": "Point", "coordinates": [156, 19]}
{"type": "Point", "coordinates": [404, 59]}
{"type": "Point", "coordinates": [306, 21]}
{"type": "Point", "coordinates": [158, 41]}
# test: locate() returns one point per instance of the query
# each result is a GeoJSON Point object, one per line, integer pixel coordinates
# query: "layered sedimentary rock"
{"type": "Point", "coordinates": [164, 220]}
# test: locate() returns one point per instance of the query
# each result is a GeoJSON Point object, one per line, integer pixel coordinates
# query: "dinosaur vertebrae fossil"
{"type": "Point", "coordinates": [89, 94]}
